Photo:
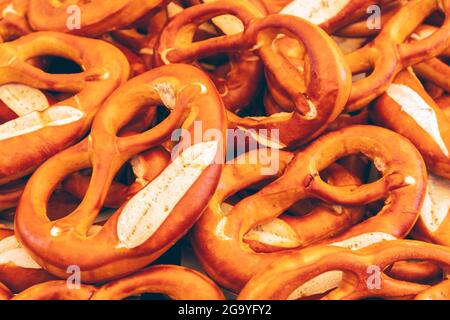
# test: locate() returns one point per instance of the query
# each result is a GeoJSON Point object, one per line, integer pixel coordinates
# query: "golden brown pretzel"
{"type": "Point", "coordinates": [175, 45]}
{"type": "Point", "coordinates": [441, 291]}
{"type": "Point", "coordinates": [5, 294]}
{"type": "Point", "coordinates": [179, 283]}
{"type": "Point", "coordinates": [150, 222]}
{"type": "Point", "coordinates": [18, 271]}
{"type": "Point", "coordinates": [317, 96]}
{"type": "Point", "coordinates": [362, 276]}
{"type": "Point", "coordinates": [408, 109]}
{"type": "Point", "coordinates": [62, 124]}
{"type": "Point", "coordinates": [388, 53]}
{"type": "Point", "coordinates": [96, 17]}
{"type": "Point", "coordinates": [221, 230]}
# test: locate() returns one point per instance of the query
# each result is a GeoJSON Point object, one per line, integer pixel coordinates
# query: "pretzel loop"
{"type": "Point", "coordinates": [104, 69]}
{"type": "Point", "coordinates": [193, 100]}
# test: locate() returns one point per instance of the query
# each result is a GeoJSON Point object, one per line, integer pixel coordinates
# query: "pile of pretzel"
{"type": "Point", "coordinates": [300, 148]}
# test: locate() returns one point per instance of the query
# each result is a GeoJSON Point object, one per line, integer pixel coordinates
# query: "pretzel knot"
{"type": "Point", "coordinates": [157, 216]}
{"type": "Point", "coordinates": [52, 129]}
{"type": "Point", "coordinates": [316, 94]}
{"type": "Point", "coordinates": [88, 17]}
{"type": "Point", "coordinates": [231, 229]}
{"type": "Point", "coordinates": [355, 274]}
{"type": "Point", "coordinates": [390, 52]}
{"type": "Point", "coordinates": [179, 283]}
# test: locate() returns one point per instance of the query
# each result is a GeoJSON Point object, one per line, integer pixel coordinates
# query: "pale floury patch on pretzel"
{"type": "Point", "coordinates": [23, 99]}
{"type": "Point", "coordinates": [144, 213]}
{"type": "Point", "coordinates": [391, 51]}
{"type": "Point", "coordinates": [34, 121]}
{"type": "Point", "coordinates": [133, 236]}
{"type": "Point", "coordinates": [52, 129]}
{"type": "Point", "coordinates": [233, 230]}
{"type": "Point", "coordinates": [434, 219]}
{"type": "Point", "coordinates": [12, 252]}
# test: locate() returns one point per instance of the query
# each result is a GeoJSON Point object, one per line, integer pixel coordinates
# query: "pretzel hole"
{"type": "Point", "coordinates": [55, 64]}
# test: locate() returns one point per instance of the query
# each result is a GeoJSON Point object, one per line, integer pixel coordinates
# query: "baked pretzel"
{"type": "Point", "coordinates": [223, 229]}
{"type": "Point", "coordinates": [238, 84]}
{"type": "Point", "coordinates": [13, 21]}
{"type": "Point", "coordinates": [49, 131]}
{"type": "Point", "coordinates": [179, 283]}
{"type": "Point", "coordinates": [407, 109]}
{"type": "Point", "coordinates": [359, 273]}
{"type": "Point", "coordinates": [144, 227]}
{"type": "Point", "coordinates": [388, 53]}
{"type": "Point", "coordinates": [441, 291]}
{"type": "Point", "coordinates": [318, 99]}
{"type": "Point", "coordinates": [96, 17]}
{"type": "Point", "coordinates": [18, 270]}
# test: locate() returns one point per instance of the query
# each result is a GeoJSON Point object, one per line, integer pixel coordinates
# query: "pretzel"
{"type": "Point", "coordinates": [18, 271]}
{"type": "Point", "coordinates": [175, 45]}
{"type": "Point", "coordinates": [13, 22]}
{"type": "Point", "coordinates": [53, 129]}
{"type": "Point", "coordinates": [295, 276]}
{"type": "Point", "coordinates": [143, 228]}
{"type": "Point", "coordinates": [441, 291]}
{"type": "Point", "coordinates": [96, 17]}
{"type": "Point", "coordinates": [179, 283]}
{"type": "Point", "coordinates": [316, 104]}
{"type": "Point", "coordinates": [223, 229]}
{"type": "Point", "coordinates": [407, 109]}
{"type": "Point", "coordinates": [388, 53]}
